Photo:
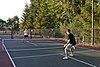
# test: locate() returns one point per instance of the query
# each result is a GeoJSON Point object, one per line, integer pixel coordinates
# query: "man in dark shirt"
{"type": "Point", "coordinates": [69, 45]}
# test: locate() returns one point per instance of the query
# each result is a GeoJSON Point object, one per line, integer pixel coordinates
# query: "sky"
{"type": "Point", "coordinates": [11, 8]}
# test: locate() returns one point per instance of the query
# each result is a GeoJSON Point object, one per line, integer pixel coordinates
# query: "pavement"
{"type": "Point", "coordinates": [19, 53]}
{"type": "Point", "coordinates": [46, 54]}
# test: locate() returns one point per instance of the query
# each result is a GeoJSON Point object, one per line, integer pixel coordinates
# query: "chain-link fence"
{"type": "Point", "coordinates": [83, 36]}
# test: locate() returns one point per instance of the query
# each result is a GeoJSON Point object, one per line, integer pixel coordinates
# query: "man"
{"type": "Point", "coordinates": [26, 34]}
{"type": "Point", "coordinates": [70, 45]}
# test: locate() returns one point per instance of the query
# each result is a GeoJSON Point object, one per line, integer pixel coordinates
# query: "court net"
{"type": "Point", "coordinates": [38, 40]}
{"type": "Point", "coordinates": [41, 44]}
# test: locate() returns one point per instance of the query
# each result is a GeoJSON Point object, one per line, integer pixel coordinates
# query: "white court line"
{"type": "Point", "coordinates": [80, 61]}
{"type": "Point", "coordinates": [34, 49]}
{"type": "Point", "coordinates": [46, 49]}
{"type": "Point", "coordinates": [16, 39]}
{"type": "Point", "coordinates": [53, 55]}
{"type": "Point", "coordinates": [34, 44]}
{"type": "Point", "coordinates": [8, 54]}
{"type": "Point", "coordinates": [83, 51]}
{"type": "Point", "coordinates": [90, 49]}
{"type": "Point", "coordinates": [30, 39]}
{"type": "Point", "coordinates": [35, 56]}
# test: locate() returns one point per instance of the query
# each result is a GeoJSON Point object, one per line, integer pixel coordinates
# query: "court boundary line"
{"type": "Point", "coordinates": [47, 48]}
{"type": "Point", "coordinates": [23, 57]}
{"type": "Point", "coordinates": [33, 44]}
{"type": "Point", "coordinates": [37, 40]}
{"type": "Point", "coordinates": [89, 49]}
{"type": "Point", "coordinates": [63, 55]}
{"type": "Point", "coordinates": [36, 44]}
{"type": "Point", "coordinates": [81, 61]}
{"type": "Point", "coordinates": [45, 39]}
{"type": "Point", "coordinates": [8, 54]}
{"type": "Point", "coordinates": [31, 39]}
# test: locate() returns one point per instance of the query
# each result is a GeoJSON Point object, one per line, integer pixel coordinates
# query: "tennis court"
{"type": "Point", "coordinates": [39, 52]}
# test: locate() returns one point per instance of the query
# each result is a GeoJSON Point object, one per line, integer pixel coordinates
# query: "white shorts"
{"type": "Point", "coordinates": [69, 46]}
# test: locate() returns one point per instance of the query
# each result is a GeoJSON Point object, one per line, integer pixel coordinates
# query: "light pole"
{"type": "Point", "coordinates": [92, 35]}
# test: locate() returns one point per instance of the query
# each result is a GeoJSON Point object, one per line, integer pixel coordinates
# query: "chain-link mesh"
{"type": "Point", "coordinates": [83, 36]}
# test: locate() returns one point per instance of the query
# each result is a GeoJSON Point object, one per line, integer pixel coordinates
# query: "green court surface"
{"type": "Point", "coordinates": [49, 54]}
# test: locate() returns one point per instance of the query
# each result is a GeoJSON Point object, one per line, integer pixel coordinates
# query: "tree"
{"type": "Point", "coordinates": [57, 14]}
{"type": "Point", "coordinates": [24, 17]}
{"type": "Point", "coordinates": [11, 25]}
{"type": "Point", "coordinates": [2, 24]}
{"type": "Point", "coordinates": [16, 25]}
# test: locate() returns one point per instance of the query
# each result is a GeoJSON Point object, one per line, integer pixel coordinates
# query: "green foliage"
{"type": "Point", "coordinates": [13, 23]}
{"type": "Point", "coordinates": [2, 23]}
{"type": "Point", "coordinates": [58, 14]}
{"type": "Point", "coordinates": [10, 22]}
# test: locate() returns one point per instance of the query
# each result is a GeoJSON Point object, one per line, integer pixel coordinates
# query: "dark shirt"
{"type": "Point", "coordinates": [72, 39]}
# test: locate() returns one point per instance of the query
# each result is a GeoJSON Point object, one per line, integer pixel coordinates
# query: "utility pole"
{"type": "Point", "coordinates": [92, 35]}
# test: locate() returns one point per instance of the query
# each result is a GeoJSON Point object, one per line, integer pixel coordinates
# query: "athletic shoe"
{"type": "Point", "coordinates": [65, 57]}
